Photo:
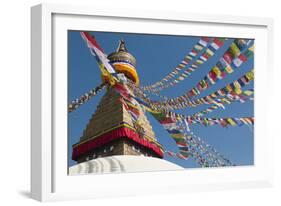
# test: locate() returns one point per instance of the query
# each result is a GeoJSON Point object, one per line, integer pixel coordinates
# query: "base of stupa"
{"type": "Point", "coordinates": [123, 163]}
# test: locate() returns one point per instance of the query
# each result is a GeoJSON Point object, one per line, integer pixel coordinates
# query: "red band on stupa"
{"type": "Point", "coordinates": [118, 133]}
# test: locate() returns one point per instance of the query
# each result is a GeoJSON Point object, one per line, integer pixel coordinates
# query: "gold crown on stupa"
{"type": "Point", "coordinates": [122, 55]}
{"type": "Point", "coordinates": [124, 62]}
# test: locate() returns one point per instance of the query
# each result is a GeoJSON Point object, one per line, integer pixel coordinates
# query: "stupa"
{"type": "Point", "coordinates": [112, 131]}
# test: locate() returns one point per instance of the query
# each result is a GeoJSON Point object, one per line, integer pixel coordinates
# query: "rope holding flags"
{"type": "Point", "coordinates": [198, 47]}
{"type": "Point", "coordinates": [240, 50]}
{"type": "Point", "coordinates": [206, 121]}
{"type": "Point", "coordinates": [232, 59]}
{"type": "Point", "coordinates": [179, 155]}
{"type": "Point", "coordinates": [205, 46]}
{"type": "Point", "coordinates": [189, 144]}
{"type": "Point", "coordinates": [85, 97]}
{"type": "Point", "coordinates": [231, 92]}
{"type": "Point", "coordinates": [182, 102]}
{"type": "Point", "coordinates": [230, 98]}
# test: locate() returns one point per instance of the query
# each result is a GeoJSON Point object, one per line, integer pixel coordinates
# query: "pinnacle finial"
{"type": "Point", "coordinates": [121, 46]}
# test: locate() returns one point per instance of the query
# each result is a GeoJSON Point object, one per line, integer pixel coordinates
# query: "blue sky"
{"type": "Point", "coordinates": [156, 56]}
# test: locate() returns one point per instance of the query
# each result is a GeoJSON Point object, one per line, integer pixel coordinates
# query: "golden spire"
{"type": "Point", "coordinates": [124, 62]}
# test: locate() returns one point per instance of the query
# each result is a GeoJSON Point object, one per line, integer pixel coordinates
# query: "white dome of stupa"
{"type": "Point", "coordinates": [123, 163]}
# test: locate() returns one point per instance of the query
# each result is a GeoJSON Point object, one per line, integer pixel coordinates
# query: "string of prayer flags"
{"type": "Point", "coordinates": [232, 59]}
{"type": "Point", "coordinates": [208, 153]}
{"type": "Point", "coordinates": [192, 146]}
{"type": "Point", "coordinates": [197, 48]}
{"type": "Point", "coordinates": [106, 68]}
{"type": "Point", "coordinates": [215, 44]}
{"type": "Point", "coordinates": [189, 145]}
{"type": "Point", "coordinates": [181, 155]}
{"type": "Point", "coordinates": [129, 102]}
{"type": "Point", "coordinates": [225, 65]}
{"type": "Point", "coordinates": [170, 119]}
{"type": "Point", "coordinates": [169, 123]}
{"type": "Point", "coordinates": [183, 101]}
{"type": "Point", "coordinates": [123, 90]}
{"type": "Point", "coordinates": [131, 108]}
{"type": "Point", "coordinates": [224, 122]}
{"type": "Point", "coordinates": [85, 97]}
{"type": "Point", "coordinates": [230, 98]}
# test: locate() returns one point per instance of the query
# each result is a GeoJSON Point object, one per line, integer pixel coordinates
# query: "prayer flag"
{"type": "Point", "coordinates": [212, 77]}
{"type": "Point", "coordinates": [227, 57]}
{"type": "Point", "coordinates": [193, 53]}
{"type": "Point", "coordinates": [182, 144]}
{"type": "Point", "coordinates": [198, 47]}
{"type": "Point", "coordinates": [97, 51]}
{"type": "Point", "coordinates": [199, 61]}
{"type": "Point", "coordinates": [231, 121]}
{"type": "Point", "coordinates": [250, 75]}
{"type": "Point", "coordinates": [167, 120]}
{"type": "Point", "coordinates": [204, 41]}
{"type": "Point", "coordinates": [177, 135]}
{"type": "Point", "coordinates": [216, 44]}
{"type": "Point", "coordinates": [171, 154]}
{"type": "Point", "coordinates": [234, 50]}
{"type": "Point", "coordinates": [239, 60]}
{"type": "Point", "coordinates": [218, 72]}
{"type": "Point", "coordinates": [173, 131]}
{"type": "Point", "coordinates": [209, 52]}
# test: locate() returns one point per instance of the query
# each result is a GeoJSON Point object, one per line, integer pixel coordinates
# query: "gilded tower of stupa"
{"type": "Point", "coordinates": [111, 130]}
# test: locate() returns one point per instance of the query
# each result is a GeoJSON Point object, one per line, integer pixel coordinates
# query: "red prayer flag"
{"type": "Point", "coordinates": [207, 39]}
{"type": "Point", "coordinates": [167, 120]}
{"type": "Point", "coordinates": [242, 57]}
{"type": "Point", "coordinates": [227, 57]}
{"type": "Point", "coordinates": [218, 42]}
{"type": "Point", "coordinates": [213, 75]}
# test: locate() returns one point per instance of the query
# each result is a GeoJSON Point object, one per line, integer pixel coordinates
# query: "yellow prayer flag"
{"type": "Point", "coordinates": [231, 122]}
{"type": "Point", "coordinates": [237, 90]}
{"type": "Point", "coordinates": [151, 110]}
{"type": "Point", "coordinates": [237, 84]}
{"type": "Point", "coordinates": [179, 135]}
{"type": "Point", "coordinates": [107, 75]}
{"type": "Point", "coordinates": [228, 88]}
{"type": "Point", "coordinates": [248, 92]}
{"type": "Point", "coordinates": [234, 50]}
{"type": "Point", "coordinates": [216, 70]}
{"type": "Point", "coordinates": [250, 75]}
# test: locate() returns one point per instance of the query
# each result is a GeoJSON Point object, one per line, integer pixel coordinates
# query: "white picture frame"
{"type": "Point", "coordinates": [49, 179]}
